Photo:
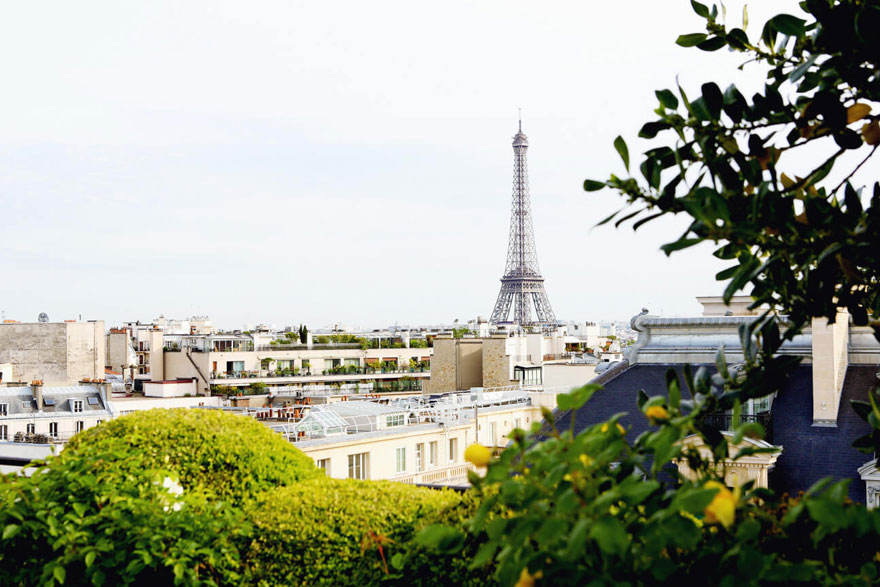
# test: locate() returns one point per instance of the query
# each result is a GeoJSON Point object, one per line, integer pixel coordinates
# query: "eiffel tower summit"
{"type": "Point", "coordinates": [522, 285]}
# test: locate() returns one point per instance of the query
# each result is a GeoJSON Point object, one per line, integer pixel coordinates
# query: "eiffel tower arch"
{"type": "Point", "coordinates": [522, 287]}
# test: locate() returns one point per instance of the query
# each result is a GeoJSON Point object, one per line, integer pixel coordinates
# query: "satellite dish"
{"type": "Point", "coordinates": [43, 317]}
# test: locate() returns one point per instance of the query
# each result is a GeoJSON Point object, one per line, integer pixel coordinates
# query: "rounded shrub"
{"type": "Point", "coordinates": [230, 457]}
{"type": "Point", "coordinates": [340, 532]}
{"type": "Point", "coordinates": [78, 521]}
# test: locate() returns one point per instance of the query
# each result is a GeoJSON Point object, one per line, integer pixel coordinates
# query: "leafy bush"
{"type": "Point", "coordinates": [79, 519]}
{"type": "Point", "coordinates": [595, 507]}
{"type": "Point", "coordinates": [231, 457]}
{"type": "Point", "coordinates": [334, 532]}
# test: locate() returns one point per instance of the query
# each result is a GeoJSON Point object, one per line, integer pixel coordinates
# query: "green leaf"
{"type": "Point", "coordinates": [667, 99]}
{"type": "Point", "coordinates": [799, 71]}
{"type": "Point", "coordinates": [441, 538]}
{"type": "Point", "coordinates": [737, 39]}
{"type": "Point", "coordinates": [788, 25]}
{"type": "Point", "coordinates": [712, 44]}
{"type": "Point", "coordinates": [691, 40]}
{"type": "Point", "coordinates": [693, 501]}
{"type": "Point", "coordinates": [620, 145]}
{"type": "Point", "coordinates": [649, 130]}
{"type": "Point", "coordinates": [700, 9]}
{"type": "Point", "coordinates": [10, 531]}
{"type": "Point", "coordinates": [59, 573]}
{"type": "Point", "coordinates": [90, 558]}
{"type": "Point", "coordinates": [827, 512]}
{"type": "Point", "coordinates": [674, 388]}
{"type": "Point", "coordinates": [577, 398]}
{"type": "Point", "coordinates": [593, 186]}
{"type": "Point", "coordinates": [680, 244]}
{"type": "Point", "coordinates": [610, 536]}
{"type": "Point", "coordinates": [713, 98]}
{"type": "Point", "coordinates": [397, 561]}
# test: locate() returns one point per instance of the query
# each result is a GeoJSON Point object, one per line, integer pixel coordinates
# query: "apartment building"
{"type": "Point", "coordinates": [37, 414]}
{"type": "Point", "coordinates": [417, 439]}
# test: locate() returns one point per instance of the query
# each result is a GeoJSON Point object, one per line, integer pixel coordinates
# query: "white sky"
{"type": "Point", "coordinates": [321, 162]}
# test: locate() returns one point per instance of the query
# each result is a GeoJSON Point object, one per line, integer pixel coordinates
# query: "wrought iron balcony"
{"type": "Point", "coordinates": [724, 421]}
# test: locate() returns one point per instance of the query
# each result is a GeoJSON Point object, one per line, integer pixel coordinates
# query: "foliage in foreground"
{"type": "Point", "coordinates": [597, 507]}
{"type": "Point", "coordinates": [333, 532]}
{"type": "Point", "coordinates": [228, 456]}
{"type": "Point", "coordinates": [202, 497]}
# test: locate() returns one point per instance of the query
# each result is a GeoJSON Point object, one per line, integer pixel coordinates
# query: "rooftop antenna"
{"type": "Point", "coordinates": [520, 119]}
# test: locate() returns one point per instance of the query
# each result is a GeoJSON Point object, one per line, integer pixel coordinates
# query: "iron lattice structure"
{"type": "Point", "coordinates": [522, 285]}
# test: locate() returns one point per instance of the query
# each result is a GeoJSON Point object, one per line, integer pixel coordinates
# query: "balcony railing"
{"type": "Point", "coordinates": [415, 371]}
{"type": "Point", "coordinates": [725, 422]}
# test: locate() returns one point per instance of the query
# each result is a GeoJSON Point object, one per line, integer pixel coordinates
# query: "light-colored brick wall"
{"type": "Point", "coordinates": [443, 374]}
{"type": "Point", "coordinates": [496, 363]}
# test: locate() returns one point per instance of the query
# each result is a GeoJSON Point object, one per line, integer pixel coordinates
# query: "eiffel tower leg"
{"type": "Point", "coordinates": [542, 307]}
{"type": "Point", "coordinates": [502, 306]}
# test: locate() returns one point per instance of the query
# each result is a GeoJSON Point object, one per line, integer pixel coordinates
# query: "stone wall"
{"type": "Point", "coordinates": [496, 363]}
{"type": "Point", "coordinates": [443, 372]}
{"type": "Point", "coordinates": [56, 353]}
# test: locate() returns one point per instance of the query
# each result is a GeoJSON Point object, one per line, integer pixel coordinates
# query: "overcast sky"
{"type": "Point", "coordinates": [332, 162]}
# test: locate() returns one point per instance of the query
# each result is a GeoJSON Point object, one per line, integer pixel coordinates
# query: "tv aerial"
{"type": "Point", "coordinates": [43, 317]}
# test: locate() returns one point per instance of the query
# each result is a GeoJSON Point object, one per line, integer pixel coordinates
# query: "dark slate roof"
{"type": "Point", "coordinates": [619, 395]}
{"type": "Point", "coordinates": [20, 400]}
{"type": "Point", "coordinates": [809, 452]}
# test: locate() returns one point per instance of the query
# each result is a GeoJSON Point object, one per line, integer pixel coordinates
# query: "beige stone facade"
{"type": "Point", "coordinates": [57, 353]}
{"type": "Point", "coordinates": [464, 363]}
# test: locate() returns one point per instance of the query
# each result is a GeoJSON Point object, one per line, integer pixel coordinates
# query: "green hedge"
{"type": "Point", "coordinates": [329, 532]}
{"type": "Point", "coordinates": [81, 521]}
{"type": "Point", "coordinates": [232, 457]}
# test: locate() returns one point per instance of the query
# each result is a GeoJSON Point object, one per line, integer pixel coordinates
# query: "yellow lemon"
{"type": "Point", "coordinates": [478, 455]}
{"type": "Point", "coordinates": [656, 414]}
{"type": "Point", "coordinates": [722, 510]}
{"type": "Point", "coordinates": [620, 428]}
{"type": "Point", "coordinates": [526, 579]}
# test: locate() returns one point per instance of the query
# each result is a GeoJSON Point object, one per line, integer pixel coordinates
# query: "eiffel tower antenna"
{"type": "Point", "coordinates": [522, 285]}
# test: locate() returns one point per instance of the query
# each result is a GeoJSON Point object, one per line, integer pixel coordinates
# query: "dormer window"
{"type": "Point", "coordinates": [4, 409]}
{"type": "Point", "coordinates": [76, 405]}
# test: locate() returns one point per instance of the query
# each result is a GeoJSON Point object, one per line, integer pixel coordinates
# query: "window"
{"type": "Point", "coordinates": [517, 423]}
{"type": "Point", "coordinates": [53, 429]}
{"type": "Point", "coordinates": [31, 429]}
{"type": "Point", "coordinates": [420, 457]}
{"type": "Point", "coordinates": [400, 459]}
{"type": "Point", "coordinates": [99, 421]}
{"type": "Point", "coordinates": [453, 450]}
{"type": "Point", "coordinates": [324, 464]}
{"type": "Point", "coordinates": [80, 425]}
{"type": "Point", "coordinates": [4, 409]}
{"type": "Point", "coordinates": [4, 432]}
{"type": "Point", "coordinates": [528, 375]}
{"type": "Point", "coordinates": [357, 465]}
{"type": "Point", "coordinates": [432, 454]}
{"type": "Point", "coordinates": [395, 420]}
{"type": "Point", "coordinates": [76, 405]}
{"type": "Point", "coordinates": [93, 401]}
{"type": "Point", "coordinates": [493, 428]}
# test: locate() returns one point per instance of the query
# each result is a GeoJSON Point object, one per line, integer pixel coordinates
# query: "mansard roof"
{"type": "Point", "coordinates": [810, 452]}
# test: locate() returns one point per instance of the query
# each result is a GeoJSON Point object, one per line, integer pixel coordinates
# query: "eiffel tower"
{"type": "Point", "coordinates": [522, 285]}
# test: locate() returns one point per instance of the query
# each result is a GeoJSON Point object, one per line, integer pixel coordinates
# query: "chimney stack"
{"type": "Point", "coordinates": [37, 387]}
